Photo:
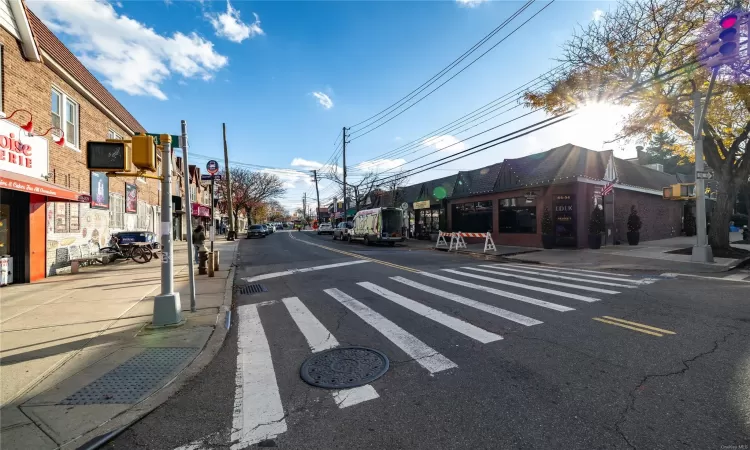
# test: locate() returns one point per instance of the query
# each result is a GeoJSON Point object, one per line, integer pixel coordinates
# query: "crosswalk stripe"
{"type": "Point", "coordinates": [425, 355]}
{"type": "Point", "coordinates": [578, 272]}
{"type": "Point", "coordinates": [597, 272]}
{"type": "Point", "coordinates": [258, 412]}
{"type": "Point", "coordinates": [520, 298]}
{"type": "Point", "coordinates": [315, 332]}
{"type": "Point", "coordinates": [525, 286]}
{"type": "Point", "coordinates": [736, 277]}
{"type": "Point", "coordinates": [453, 323]}
{"type": "Point", "coordinates": [560, 277]}
{"type": "Point", "coordinates": [350, 397]}
{"type": "Point", "coordinates": [505, 314]}
{"type": "Point", "coordinates": [499, 272]}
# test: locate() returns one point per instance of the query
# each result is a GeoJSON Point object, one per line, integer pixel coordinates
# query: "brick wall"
{"type": "Point", "coordinates": [660, 218]}
{"type": "Point", "coordinates": [28, 85]}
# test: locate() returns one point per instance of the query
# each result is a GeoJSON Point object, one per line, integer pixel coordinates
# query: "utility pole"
{"type": "Point", "coordinates": [232, 228]}
{"type": "Point", "coordinates": [702, 252]}
{"type": "Point", "coordinates": [343, 151]}
{"type": "Point", "coordinates": [167, 310]}
{"type": "Point", "coordinates": [317, 194]}
{"type": "Point", "coordinates": [304, 207]}
{"type": "Point", "coordinates": [188, 210]}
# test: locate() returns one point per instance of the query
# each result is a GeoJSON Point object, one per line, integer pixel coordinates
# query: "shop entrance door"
{"type": "Point", "coordinates": [564, 221]}
{"type": "Point", "coordinates": [14, 231]}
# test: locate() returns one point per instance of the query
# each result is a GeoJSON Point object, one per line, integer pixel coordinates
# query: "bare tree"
{"type": "Point", "coordinates": [395, 189]}
{"type": "Point", "coordinates": [249, 190]}
{"type": "Point", "coordinates": [357, 187]}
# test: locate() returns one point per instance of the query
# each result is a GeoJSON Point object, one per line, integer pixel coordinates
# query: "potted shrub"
{"type": "Point", "coordinates": [634, 227]}
{"type": "Point", "coordinates": [596, 228]}
{"type": "Point", "coordinates": [689, 224]}
{"type": "Point", "coordinates": [548, 232]}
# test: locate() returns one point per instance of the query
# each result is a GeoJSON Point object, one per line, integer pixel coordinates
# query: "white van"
{"type": "Point", "coordinates": [378, 225]}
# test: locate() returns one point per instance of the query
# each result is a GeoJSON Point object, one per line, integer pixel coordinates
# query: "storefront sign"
{"type": "Point", "coordinates": [200, 210]}
{"type": "Point", "coordinates": [8, 181]}
{"type": "Point", "coordinates": [20, 153]}
{"type": "Point", "coordinates": [425, 204]}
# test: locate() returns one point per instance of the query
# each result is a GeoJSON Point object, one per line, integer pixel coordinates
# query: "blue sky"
{"type": "Point", "coordinates": [287, 76]}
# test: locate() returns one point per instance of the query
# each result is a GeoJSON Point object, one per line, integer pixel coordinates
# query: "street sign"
{"type": "Point", "coordinates": [175, 139]}
{"type": "Point", "coordinates": [404, 206]}
{"type": "Point", "coordinates": [704, 175]}
{"type": "Point", "coordinates": [205, 177]}
{"type": "Point", "coordinates": [212, 167]}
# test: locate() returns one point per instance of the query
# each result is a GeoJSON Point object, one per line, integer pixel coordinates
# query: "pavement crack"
{"type": "Point", "coordinates": [641, 385]}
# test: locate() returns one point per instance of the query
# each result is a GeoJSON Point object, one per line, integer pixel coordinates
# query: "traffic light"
{"type": "Point", "coordinates": [108, 156]}
{"type": "Point", "coordinates": [722, 45]}
{"type": "Point", "coordinates": [144, 152]}
{"type": "Point", "coordinates": [679, 191]}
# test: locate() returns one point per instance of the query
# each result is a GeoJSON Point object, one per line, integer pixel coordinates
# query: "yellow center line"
{"type": "Point", "coordinates": [648, 327]}
{"type": "Point", "coordinates": [627, 326]}
{"type": "Point", "coordinates": [354, 255]}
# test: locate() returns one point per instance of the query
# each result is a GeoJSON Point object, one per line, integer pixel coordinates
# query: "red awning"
{"type": "Point", "coordinates": [25, 183]}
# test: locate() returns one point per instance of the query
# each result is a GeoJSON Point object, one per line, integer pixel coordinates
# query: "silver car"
{"type": "Point", "coordinates": [342, 231]}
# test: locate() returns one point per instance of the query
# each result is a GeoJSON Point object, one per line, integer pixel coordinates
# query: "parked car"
{"type": "Point", "coordinates": [325, 228]}
{"type": "Point", "coordinates": [270, 228]}
{"type": "Point", "coordinates": [279, 226]}
{"type": "Point", "coordinates": [342, 231]}
{"type": "Point", "coordinates": [378, 225]}
{"type": "Point", "coordinates": [256, 231]}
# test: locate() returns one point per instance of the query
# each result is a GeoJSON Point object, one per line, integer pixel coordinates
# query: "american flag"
{"type": "Point", "coordinates": [607, 189]}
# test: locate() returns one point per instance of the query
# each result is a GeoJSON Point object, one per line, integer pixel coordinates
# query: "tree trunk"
{"type": "Point", "coordinates": [718, 236]}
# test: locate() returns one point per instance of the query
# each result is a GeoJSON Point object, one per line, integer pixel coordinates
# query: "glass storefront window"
{"type": "Point", "coordinates": [472, 217]}
{"type": "Point", "coordinates": [517, 215]}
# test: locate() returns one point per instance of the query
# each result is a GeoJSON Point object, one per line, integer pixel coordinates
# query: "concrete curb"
{"type": "Point", "coordinates": [112, 428]}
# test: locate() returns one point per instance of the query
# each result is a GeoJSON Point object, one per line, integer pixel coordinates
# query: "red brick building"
{"type": "Point", "coordinates": [40, 213]}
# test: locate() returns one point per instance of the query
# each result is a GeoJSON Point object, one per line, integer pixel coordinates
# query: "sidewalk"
{"type": "Point", "coordinates": [647, 256]}
{"type": "Point", "coordinates": [77, 359]}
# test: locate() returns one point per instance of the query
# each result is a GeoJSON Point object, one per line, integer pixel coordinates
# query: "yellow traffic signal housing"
{"type": "Point", "coordinates": [679, 191]}
{"type": "Point", "coordinates": [144, 152]}
{"type": "Point", "coordinates": [108, 156]}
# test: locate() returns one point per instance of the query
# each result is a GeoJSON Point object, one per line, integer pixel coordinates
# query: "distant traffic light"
{"type": "Point", "coordinates": [722, 45]}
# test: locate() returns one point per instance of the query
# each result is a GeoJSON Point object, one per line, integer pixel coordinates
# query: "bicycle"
{"type": "Point", "coordinates": [139, 253]}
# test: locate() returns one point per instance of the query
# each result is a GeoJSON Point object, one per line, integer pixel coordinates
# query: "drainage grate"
{"type": "Point", "coordinates": [344, 367]}
{"type": "Point", "coordinates": [249, 289]}
{"type": "Point", "coordinates": [132, 380]}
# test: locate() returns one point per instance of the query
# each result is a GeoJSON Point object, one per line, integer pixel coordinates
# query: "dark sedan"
{"type": "Point", "coordinates": [256, 231]}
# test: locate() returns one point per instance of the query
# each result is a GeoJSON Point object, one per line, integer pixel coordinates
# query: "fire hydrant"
{"type": "Point", "coordinates": [202, 259]}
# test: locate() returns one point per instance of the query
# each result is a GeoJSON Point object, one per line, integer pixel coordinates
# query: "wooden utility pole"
{"type": "Point", "coordinates": [304, 207]}
{"type": "Point", "coordinates": [232, 221]}
{"type": "Point", "coordinates": [317, 194]}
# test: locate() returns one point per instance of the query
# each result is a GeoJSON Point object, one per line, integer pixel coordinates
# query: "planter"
{"type": "Point", "coordinates": [595, 241]}
{"type": "Point", "coordinates": [634, 237]}
{"type": "Point", "coordinates": [548, 241]}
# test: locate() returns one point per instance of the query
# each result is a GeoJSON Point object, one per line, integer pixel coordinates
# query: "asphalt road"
{"type": "Point", "coordinates": [462, 377]}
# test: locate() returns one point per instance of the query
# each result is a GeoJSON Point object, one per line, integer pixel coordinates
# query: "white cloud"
{"type": "Point", "coordinates": [378, 165]}
{"type": "Point", "coordinates": [228, 25]}
{"type": "Point", "coordinates": [445, 143]}
{"type": "Point", "coordinates": [597, 15]}
{"type": "Point", "coordinates": [324, 100]}
{"type": "Point", "coordinates": [291, 177]}
{"type": "Point", "coordinates": [128, 55]}
{"type": "Point", "coordinates": [315, 165]}
{"type": "Point", "coordinates": [470, 3]}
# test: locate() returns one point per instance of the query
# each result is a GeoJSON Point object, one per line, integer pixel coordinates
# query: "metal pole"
{"type": "Point", "coordinates": [317, 194]}
{"type": "Point", "coordinates": [701, 251]}
{"type": "Point", "coordinates": [189, 212]}
{"type": "Point", "coordinates": [213, 218]}
{"type": "Point", "coordinates": [232, 234]}
{"type": "Point", "coordinates": [167, 308]}
{"type": "Point", "coordinates": [343, 151]}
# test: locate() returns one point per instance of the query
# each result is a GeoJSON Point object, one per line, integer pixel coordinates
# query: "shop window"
{"type": "Point", "coordinates": [116, 211]}
{"type": "Point", "coordinates": [472, 217]}
{"type": "Point", "coordinates": [61, 218]}
{"type": "Point", "coordinates": [517, 215]}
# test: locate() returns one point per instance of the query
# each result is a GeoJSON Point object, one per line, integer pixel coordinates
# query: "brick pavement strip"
{"type": "Point", "coordinates": [61, 335]}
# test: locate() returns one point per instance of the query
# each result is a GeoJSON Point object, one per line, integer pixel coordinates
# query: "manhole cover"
{"type": "Point", "coordinates": [344, 367]}
{"type": "Point", "coordinates": [252, 289]}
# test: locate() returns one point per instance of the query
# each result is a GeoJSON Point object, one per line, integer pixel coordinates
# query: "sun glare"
{"type": "Point", "coordinates": [596, 123]}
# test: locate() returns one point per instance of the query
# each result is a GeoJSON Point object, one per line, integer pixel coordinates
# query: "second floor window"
{"type": "Point", "coordinates": [56, 109]}
{"type": "Point", "coordinates": [71, 122]}
{"type": "Point", "coordinates": [65, 116]}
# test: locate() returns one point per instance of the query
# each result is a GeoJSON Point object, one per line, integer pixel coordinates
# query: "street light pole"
{"type": "Point", "coordinates": [702, 252]}
{"type": "Point", "coordinates": [189, 212]}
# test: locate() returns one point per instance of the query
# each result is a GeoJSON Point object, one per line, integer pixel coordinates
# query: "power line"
{"type": "Point", "coordinates": [455, 62]}
{"type": "Point", "coordinates": [454, 75]}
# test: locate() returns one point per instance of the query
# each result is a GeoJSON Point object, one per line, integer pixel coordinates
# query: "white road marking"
{"type": "Point", "coordinates": [553, 269]}
{"type": "Point", "coordinates": [453, 323]}
{"type": "Point", "coordinates": [736, 276]}
{"type": "Point", "coordinates": [350, 397]}
{"type": "Point", "coordinates": [258, 412]}
{"type": "Point", "coordinates": [520, 298]}
{"type": "Point", "coordinates": [284, 273]}
{"type": "Point", "coordinates": [318, 338]}
{"type": "Point", "coordinates": [518, 318]}
{"type": "Point", "coordinates": [425, 355]}
{"type": "Point", "coordinates": [524, 286]}
{"type": "Point", "coordinates": [560, 277]}
{"type": "Point", "coordinates": [499, 273]}
{"type": "Point", "coordinates": [578, 272]}
{"type": "Point", "coordinates": [675, 275]}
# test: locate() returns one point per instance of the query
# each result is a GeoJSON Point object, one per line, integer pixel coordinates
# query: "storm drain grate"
{"type": "Point", "coordinates": [252, 289]}
{"type": "Point", "coordinates": [132, 380]}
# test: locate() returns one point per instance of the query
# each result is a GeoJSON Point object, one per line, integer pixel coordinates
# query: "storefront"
{"type": "Point", "coordinates": [427, 219]}
{"type": "Point", "coordinates": [24, 194]}
{"type": "Point", "coordinates": [201, 214]}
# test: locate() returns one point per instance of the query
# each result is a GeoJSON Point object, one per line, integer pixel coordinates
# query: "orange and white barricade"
{"type": "Point", "coordinates": [457, 241]}
{"type": "Point", "coordinates": [441, 242]}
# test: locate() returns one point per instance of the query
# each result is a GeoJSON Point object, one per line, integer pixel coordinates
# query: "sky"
{"type": "Point", "coordinates": [286, 77]}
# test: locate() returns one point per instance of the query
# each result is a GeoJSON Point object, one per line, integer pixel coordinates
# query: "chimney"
{"type": "Point", "coordinates": [643, 157]}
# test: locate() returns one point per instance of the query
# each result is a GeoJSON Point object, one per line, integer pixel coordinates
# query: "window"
{"type": "Point", "coordinates": [111, 134]}
{"type": "Point", "coordinates": [144, 216]}
{"type": "Point", "coordinates": [61, 218]}
{"type": "Point", "coordinates": [517, 215]}
{"type": "Point", "coordinates": [1, 77]}
{"type": "Point", "coordinates": [71, 122]}
{"type": "Point", "coordinates": [116, 211]}
{"type": "Point", "coordinates": [57, 108]}
{"type": "Point", "coordinates": [66, 216]}
{"type": "Point", "coordinates": [473, 217]}
{"type": "Point", "coordinates": [74, 210]}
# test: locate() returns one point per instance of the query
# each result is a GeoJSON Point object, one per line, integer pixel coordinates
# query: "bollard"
{"type": "Point", "coordinates": [210, 264]}
{"type": "Point", "coordinates": [202, 259]}
{"type": "Point", "coordinates": [216, 260]}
